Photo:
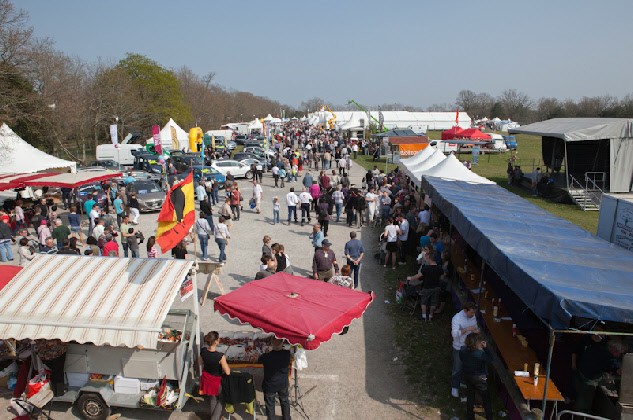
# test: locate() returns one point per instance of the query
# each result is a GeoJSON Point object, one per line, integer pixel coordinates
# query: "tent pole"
{"type": "Point", "coordinates": [566, 168]}
{"type": "Point", "coordinates": [552, 340]}
{"type": "Point", "coordinates": [481, 283]}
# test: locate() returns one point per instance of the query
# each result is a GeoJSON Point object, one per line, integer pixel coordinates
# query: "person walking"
{"type": "Point", "coordinates": [324, 264]}
{"type": "Point", "coordinates": [276, 210]}
{"type": "Point", "coordinates": [134, 208]}
{"type": "Point", "coordinates": [305, 198]}
{"type": "Point", "coordinates": [152, 249]}
{"type": "Point", "coordinates": [291, 202]}
{"type": "Point", "coordinates": [323, 214]}
{"type": "Point", "coordinates": [221, 235]}
{"type": "Point", "coordinates": [338, 198]}
{"type": "Point", "coordinates": [258, 194]}
{"type": "Point", "coordinates": [236, 198]}
{"type": "Point", "coordinates": [124, 230]}
{"type": "Point", "coordinates": [213, 366]}
{"type": "Point", "coordinates": [474, 356]}
{"type": "Point", "coordinates": [201, 193]}
{"type": "Point", "coordinates": [276, 381]}
{"type": "Point", "coordinates": [204, 231]}
{"type": "Point", "coordinates": [354, 252]}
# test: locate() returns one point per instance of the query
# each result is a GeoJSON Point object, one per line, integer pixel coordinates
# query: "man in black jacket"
{"type": "Point", "coordinates": [276, 364]}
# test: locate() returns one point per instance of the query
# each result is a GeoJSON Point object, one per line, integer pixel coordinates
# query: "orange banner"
{"type": "Point", "coordinates": [411, 149]}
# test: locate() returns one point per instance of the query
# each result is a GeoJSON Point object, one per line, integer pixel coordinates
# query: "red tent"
{"type": "Point", "coordinates": [303, 311]}
{"type": "Point", "coordinates": [7, 272]}
{"type": "Point", "coordinates": [451, 133]}
{"type": "Point", "coordinates": [474, 134]}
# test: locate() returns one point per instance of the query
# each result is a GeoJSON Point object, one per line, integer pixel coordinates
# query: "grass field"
{"type": "Point", "coordinates": [493, 167]}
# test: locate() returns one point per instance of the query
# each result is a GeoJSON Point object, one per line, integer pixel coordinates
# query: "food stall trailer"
{"type": "Point", "coordinates": [125, 343]}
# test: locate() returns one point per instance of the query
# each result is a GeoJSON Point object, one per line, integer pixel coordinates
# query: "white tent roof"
{"type": "Point", "coordinates": [256, 124]}
{"type": "Point", "coordinates": [166, 136]}
{"type": "Point", "coordinates": [421, 156]}
{"type": "Point", "coordinates": [20, 157]}
{"type": "Point", "coordinates": [430, 162]}
{"type": "Point", "coordinates": [346, 120]}
{"type": "Point", "coordinates": [103, 300]}
{"type": "Point", "coordinates": [451, 168]}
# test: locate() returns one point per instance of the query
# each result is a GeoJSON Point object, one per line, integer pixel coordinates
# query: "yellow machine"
{"type": "Point", "coordinates": [332, 120]}
{"type": "Point", "coordinates": [195, 139]}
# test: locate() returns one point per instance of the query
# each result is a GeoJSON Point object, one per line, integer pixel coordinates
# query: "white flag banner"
{"type": "Point", "coordinates": [114, 134]}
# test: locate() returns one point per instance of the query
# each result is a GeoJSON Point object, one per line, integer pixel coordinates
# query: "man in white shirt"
{"type": "Point", "coordinates": [371, 198]}
{"type": "Point", "coordinates": [463, 323]}
{"type": "Point", "coordinates": [94, 215]}
{"type": "Point", "coordinates": [258, 193]}
{"type": "Point", "coordinates": [341, 165]}
{"type": "Point", "coordinates": [291, 201]}
{"type": "Point", "coordinates": [99, 229]}
{"type": "Point", "coordinates": [402, 239]}
{"type": "Point", "coordinates": [305, 198]}
{"type": "Point", "coordinates": [424, 216]}
{"type": "Point", "coordinates": [275, 171]}
{"type": "Point", "coordinates": [201, 192]}
{"type": "Point", "coordinates": [338, 198]}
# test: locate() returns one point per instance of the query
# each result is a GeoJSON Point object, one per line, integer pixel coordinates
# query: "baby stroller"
{"type": "Point", "coordinates": [381, 255]}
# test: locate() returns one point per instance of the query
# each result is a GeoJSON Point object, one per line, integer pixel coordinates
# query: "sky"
{"type": "Point", "coordinates": [416, 52]}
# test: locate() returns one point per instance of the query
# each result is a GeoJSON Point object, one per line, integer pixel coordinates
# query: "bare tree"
{"type": "Point", "coordinates": [516, 105]}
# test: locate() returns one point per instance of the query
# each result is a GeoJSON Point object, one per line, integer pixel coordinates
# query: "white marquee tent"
{"type": "Point", "coordinates": [166, 136]}
{"type": "Point", "coordinates": [357, 120]}
{"type": "Point", "coordinates": [451, 168]}
{"type": "Point", "coordinates": [431, 161]}
{"type": "Point", "coordinates": [421, 156]}
{"type": "Point", "coordinates": [18, 156]}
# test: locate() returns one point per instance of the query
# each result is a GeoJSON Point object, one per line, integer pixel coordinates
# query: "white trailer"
{"type": "Point", "coordinates": [121, 153]}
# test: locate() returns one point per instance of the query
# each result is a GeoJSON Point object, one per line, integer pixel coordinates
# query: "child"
{"type": "Point", "coordinates": [276, 208]}
{"type": "Point", "coordinates": [52, 215]}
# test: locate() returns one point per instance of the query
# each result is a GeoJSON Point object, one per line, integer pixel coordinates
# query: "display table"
{"type": "Point", "coordinates": [514, 354]}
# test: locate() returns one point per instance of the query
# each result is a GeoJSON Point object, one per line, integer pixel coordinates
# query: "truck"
{"type": "Point", "coordinates": [121, 153]}
{"type": "Point", "coordinates": [444, 146]}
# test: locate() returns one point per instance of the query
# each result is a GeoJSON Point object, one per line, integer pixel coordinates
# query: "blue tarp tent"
{"type": "Point", "coordinates": [558, 270]}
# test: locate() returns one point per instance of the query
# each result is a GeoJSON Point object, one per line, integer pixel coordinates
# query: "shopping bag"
{"type": "Point", "coordinates": [251, 203]}
{"type": "Point", "coordinates": [42, 397]}
{"type": "Point", "coordinates": [161, 398]}
{"type": "Point", "coordinates": [35, 384]}
{"type": "Point", "coordinates": [400, 293]}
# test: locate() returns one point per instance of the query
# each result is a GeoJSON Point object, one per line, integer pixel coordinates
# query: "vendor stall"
{"type": "Point", "coordinates": [123, 344]}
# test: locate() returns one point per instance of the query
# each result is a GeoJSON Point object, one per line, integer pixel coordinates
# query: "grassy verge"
{"type": "Point", "coordinates": [368, 162]}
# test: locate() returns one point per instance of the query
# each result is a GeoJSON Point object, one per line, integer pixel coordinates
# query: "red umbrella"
{"type": "Point", "coordinates": [303, 311]}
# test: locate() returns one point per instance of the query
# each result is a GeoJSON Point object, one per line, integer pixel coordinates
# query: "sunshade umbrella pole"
{"type": "Point", "coordinates": [297, 404]}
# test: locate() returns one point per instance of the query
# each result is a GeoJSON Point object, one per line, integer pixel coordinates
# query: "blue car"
{"type": "Point", "coordinates": [206, 172]}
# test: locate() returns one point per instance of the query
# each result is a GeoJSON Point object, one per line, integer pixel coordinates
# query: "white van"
{"type": "Point", "coordinates": [121, 154]}
{"type": "Point", "coordinates": [444, 146]}
{"type": "Point", "coordinates": [498, 142]}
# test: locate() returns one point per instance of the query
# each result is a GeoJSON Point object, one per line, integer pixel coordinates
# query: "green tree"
{"type": "Point", "coordinates": [159, 90]}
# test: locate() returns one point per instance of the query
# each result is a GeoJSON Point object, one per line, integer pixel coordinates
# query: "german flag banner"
{"type": "Point", "coordinates": [177, 215]}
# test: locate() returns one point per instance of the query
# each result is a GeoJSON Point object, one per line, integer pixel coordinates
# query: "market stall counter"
{"type": "Point", "coordinates": [518, 357]}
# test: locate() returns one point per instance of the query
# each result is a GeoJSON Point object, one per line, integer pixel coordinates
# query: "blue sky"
{"type": "Point", "coordinates": [414, 52]}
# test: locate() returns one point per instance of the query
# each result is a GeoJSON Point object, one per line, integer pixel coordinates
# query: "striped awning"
{"type": "Point", "coordinates": [102, 300]}
{"type": "Point", "coordinates": [55, 179]}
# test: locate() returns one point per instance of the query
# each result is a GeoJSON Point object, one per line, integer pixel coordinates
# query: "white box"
{"type": "Point", "coordinates": [147, 384]}
{"type": "Point", "coordinates": [77, 379]}
{"type": "Point", "coordinates": [127, 385]}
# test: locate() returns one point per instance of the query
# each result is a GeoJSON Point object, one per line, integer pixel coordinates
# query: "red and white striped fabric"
{"type": "Point", "coordinates": [106, 301]}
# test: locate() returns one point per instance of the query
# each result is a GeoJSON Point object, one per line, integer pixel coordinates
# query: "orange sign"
{"type": "Point", "coordinates": [411, 149]}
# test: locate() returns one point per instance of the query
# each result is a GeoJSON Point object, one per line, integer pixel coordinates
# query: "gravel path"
{"type": "Point", "coordinates": [351, 376]}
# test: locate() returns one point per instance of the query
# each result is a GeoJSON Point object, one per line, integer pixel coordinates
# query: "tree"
{"type": "Point", "coordinates": [516, 105]}
{"type": "Point", "coordinates": [311, 105]}
{"type": "Point", "coordinates": [158, 89]}
{"type": "Point", "coordinates": [548, 108]}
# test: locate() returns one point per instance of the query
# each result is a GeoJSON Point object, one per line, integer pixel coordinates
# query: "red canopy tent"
{"type": "Point", "coordinates": [474, 134]}
{"type": "Point", "coordinates": [54, 179]}
{"type": "Point", "coordinates": [7, 272]}
{"type": "Point", "coordinates": [451, 133]}
{"type": "Point", "coordinates": [303, 311]}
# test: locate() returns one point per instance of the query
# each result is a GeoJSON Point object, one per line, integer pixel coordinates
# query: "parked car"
{"type": "Point", "coordinates": [147, 162]}
{"type": "Point", "coordinates": [231, 145]}
{"type": "Point", "coordinates": [511, 142]}
{"type": "Point", "coordinates": [138, 176]}
{"type": "Point", "coordinates": [206, 173]}
{"type": "Point", "coordinates": [237, 169]}
{"type": "Point", "coordinates": [84, 192]}
{"type": "Point", "coordinates": [253, 143]}
{"type": "Point", "coordinates": [149, 194]}
{"type": "Point", "coordinates": [104, 163]}
{"type": "Point", "coordinates": [240, 139]}
{"type": "Point", "coordinates": [241, 156]}
{"type": "Point", "coordinates": [250, 161]}
{"type": "Point", "coordinates": [184, 161]}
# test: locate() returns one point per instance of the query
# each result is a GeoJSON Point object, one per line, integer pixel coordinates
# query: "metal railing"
{"type": "Point", "coordinates": [574, 414]}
